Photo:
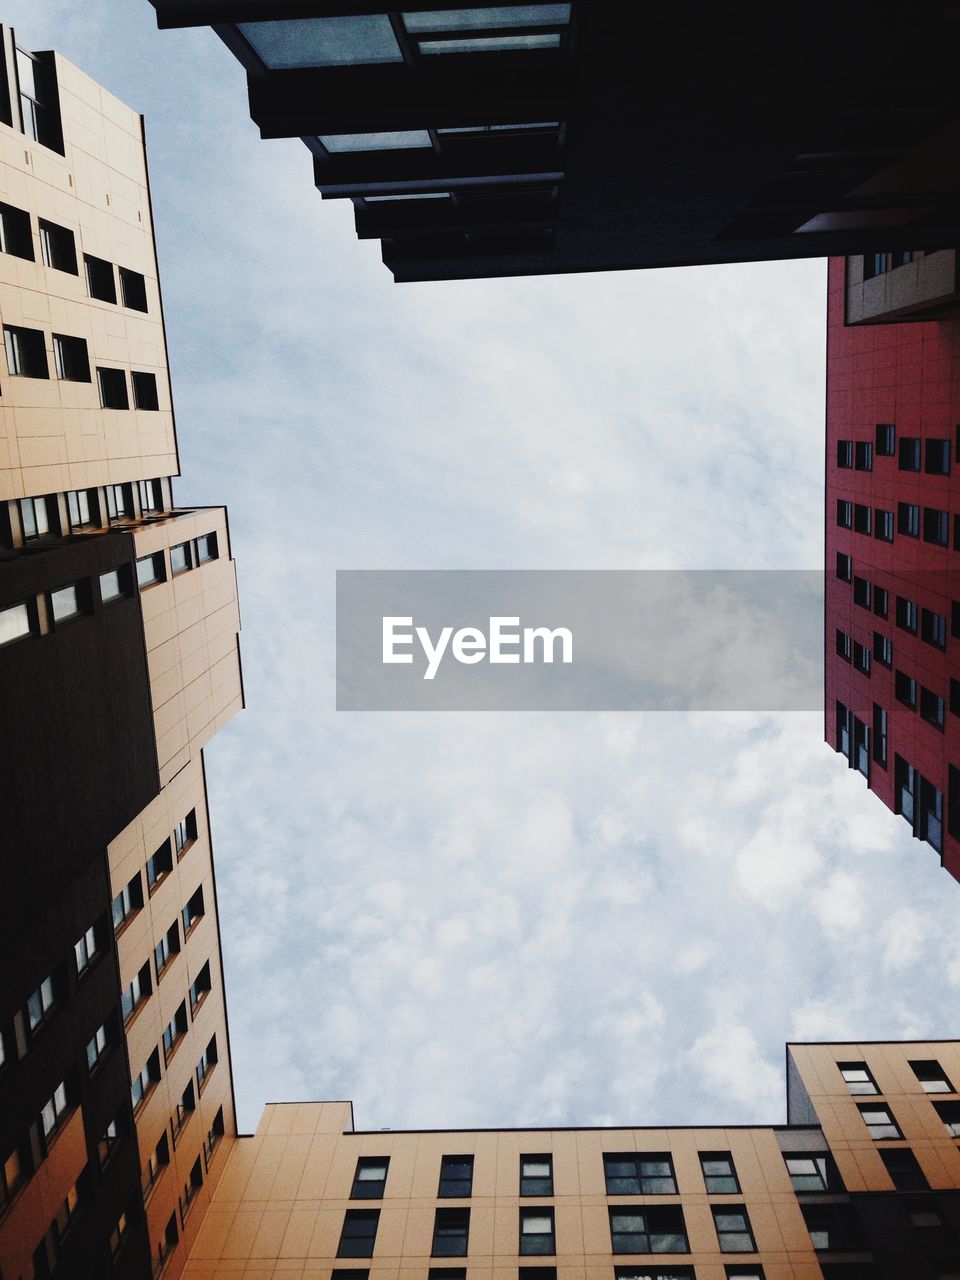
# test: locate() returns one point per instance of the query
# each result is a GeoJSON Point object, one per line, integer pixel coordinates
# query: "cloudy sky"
{"type": "Point", "coordinates": [503, 918]}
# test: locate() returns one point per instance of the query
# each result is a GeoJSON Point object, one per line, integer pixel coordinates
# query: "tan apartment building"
{"type": "Point", "coordinates": [119, 661]}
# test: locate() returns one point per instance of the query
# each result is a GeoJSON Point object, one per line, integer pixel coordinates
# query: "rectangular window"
{"type": "Point", "coordinates": [114, 584]}
{"type": "Point", "coordinates": [640, 1272]}
{"type": "Point", "coordinates": [861, 658]}
{"type": "Point", "coordinates": [58, 247]}
{"type": "Point", "coordinates": [949, 1113]}
{"type": "Point", "coordinates": [843, 730]}
{"type": "Point", "coordinates": [97, 1047]}
{"type": "Point", "coordinates": [86, 950]}
{"type": "Point", "coordinates": [359, 1233]}
{"type": "Point", "coordinates": [370, 1178]}
{"type": "Point", "coordinates": [879, 1121]}
{"type": "Point", "coordinates": [181, 558]}
{"type": "Point", "coordinates": [200, 988]}
{"type": "Point", "coordinates": [909, 453]}
{"type": "Point", "coordinates": [937, 461]}
{"type": "Point", "coordinates": [857, 1077]}
{"type": "Point", "coordinates": [54, 1111]}
{"type": "Point", "coordinates": [185, 833]}
{"type": "Point", "coordinates": [16, 236]}
{"type": "Point", "coordinates": [37, 100]}
{"type": "Point", "coordinates": [642, 1229]}
{"type": "Point", "coordinates": [26, 352]}
{"type": "Point", "coordinates": [41, 1002]}
{"type": "Point", "coordinates": [456, 1176]}
{"type": "Point", "coordinates": [150, 569]}
{"type": "Point", "coordinates": [844, 646]}
{"type": "Point", "coordinates": [14, 623]}
{"type": "Point", "coordinates": [536, 1175]}
{"type": "Point", "coordinates": [159, 865]}
{"type": "Point", "coordinates": [166, 949]}
{"type": "Point", "coordinates": [932, 708]}
{"type": "Point", "coordinates": [119, 501]}
{"type": "Point", "coordinates": [882, 649]}
{"type": "Point", "coordinates": [906, 615]}
{"type": "Point", "coordinates": [38, 517]}
{"type": "Point", "coordinates": [451, 1233]}
{"type": "Point", "coordinates": [214, 1134]}
{"type": "Point", "coordinates": [537, 1233]}
{"type": "Point", "coordinates": [807, 1173]}
{"type": "Point", "coordinates": [719, 1174]}
{"type": "Point", "coordinates": [733, 1229]}
{"type": "Point", "coordinates": [831, 1227]}
{"type": "Point", "coordinates": [863, 455]}
{"type": "Point", "coordinates": [193, 911]}
{"type": "Point", "coordinates": [904, 1171]}
{"type": "Point", "coordinates": [862, 518]}
{"type": "Point", "coordinates": [174, 1031]}
{"type": "Point", "coordinates": [905, 688]}
{"type": "Point", "coordinates": [936, 526]}
{"type": "Point", "coordinates": [208, 1060]}
{"type": "Point", "coordinates": [886, 440]}
{"type": "Point", "coordinates": [908, 519]}
{"type": "Point", "coordinates": [127, 902]}
{"type": "Point", "coordinates": [881, 601]}
{"type": "Point", "coordinates": [100, 279]}
{"type": "Point", "coordinates": [933, 628]}
{"type": "Point", "coordinates": [206, 547]}
{"type": "Point", "coordinates": [880, 725]}
{"type": "Point", "coordinates": [133, 995]}
{"type": "Point", "coordinates": [186, 1105]}
{"type": "Point", "coordinates": [145, 390]}
{"type": "Point", "coordinates": [67, 602]}
{"type": "Point", "coordinates": [151, 495]}
{"type": "Point", "coordinates": [134, 289]}
{"type": "Point", "coordinates": [113, 388]}
{"type": "Point", "coordinates": [845, 453]}
{"type": "Point", "coordinates": [109, 1140]}
{"type": "Point", "coordinates": [932, 1077]}
{"type": "Point", "coordinates": [844, 567]}
{"type": "Point", "coordinates": [844, 514]}
{"type": "Point", "coordinates": [82, 508]}
{"type": "Point", "coordinates": [71, 359]}
{"type": "Point", "coordinates": [639, 1174]}
{"type": "Point", "coordinates": [954, 698]}
{"type": "Point", "coordinates": [883, 528]}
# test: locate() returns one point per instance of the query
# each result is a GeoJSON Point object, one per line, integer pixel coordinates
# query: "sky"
{"type": "Point", "coordinates": [493, 919]}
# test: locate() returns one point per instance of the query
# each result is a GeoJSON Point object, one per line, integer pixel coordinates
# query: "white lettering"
{"type": "Point", "coordinates": [548, 637]}
{"type": "Point", "coordinates": [434, 654]}
{"type": "Point", "coordinates": [498, 638]}
{"type": "Point", "coordinates": [469, 645]}
{"type": "Point", "coordinates": [391, 640]}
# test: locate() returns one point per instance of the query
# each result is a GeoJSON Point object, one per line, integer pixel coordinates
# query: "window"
{"type": "Point", "coordinates": [109, 1139]}
{"type": "Point", "coordinates": [660, 1229]}
{"type": "Point", "coordinates": [119, 1234]}
{"type": "Point", "coordinates": [879, 1121]}
{"type": "Point", "coordinates": [886, 439]}
{"type": "Point", "coordinates": [843, 730]}
{"type": "Point", "coordinates": [861, 658]}
{"type": "Point", "coordinates": [70, 358]}
{"type": "Point", "coordinates": [919, 802]}
{"type": "Point", "coordinates": [451, 1230]}
{"type": "Point", "coordinates": [656, 1273]}
{"type": "Point", "coordinates": [370, 1178]}
{"type": "Point", "coordinates": [150, 570]}
{"type": "Point", "coordinates": [16, 236]}
{"type": "Point", "coordinates": [359, 1233]}
{"type": "Point", "coordinates": [536, 1175]}
{"type": "Point", "coordinates": [844, 513]}
{"type": "Point", "coordinates": [719, 1174]}
{"type": "Point", "coordinates": [932, 708]}
{"type": "Point", "coordinates": [861, 747]}
{"type": "Point", "coordinates": [82, 508]}
{"type": "Point", "coordinates": [100, 280]}
{"type": "Point", "coordinates": [14, 623]}
{"type": "Point", "coordinates": [206, 546]}
{"type": "Point", "coordinates": [113, 389]}
{"type": "Point", "coordinates": [844, 567]}
{"type": "Point", "coordinates": [191, 1187]}
{"type": "Point", "coordinates": [883, 528]}
{"type": "Point", "coordinates": [41, 1002]}
{"type": "Point", "coordinates": [26, 352]}
{"type": "Point", "coordinates": [456, 1176]}
{"type": "Point", "coordinates": [66, 602]}
{"type": "Point", "coordinates": [862, 518]}
{"type": "Point", "coordinates": [54, 1111]}
{"type": "Point", "coordinates": [58, 247]}
{"type": "Point", "coordinates": [133, 996]}
{"type": "Point", "coordinates": [134, 289]}
{"type": "Point", "coordinates": [119, 501]}
{"type": "Point", "coordinates": [151, 495]}
{"type": "Point", "coordinates": [905, 688]}
{"type": "Point", "coordinates": [641, 1174]}
{"type": "Point", "coordinates": [365, 39]}
{"type": "Point", "coordinates": [460, 31]}
{"type": "Point", "coordinates": [933, 628]}
{"type": "Point", "coordinates": [181, 558]}
{"type": "Point", "coordinates": [924, 1214]}
{"type": "Point", "coordinates": [908, 519]}
{"type": "Point", "coordinates": [844, 646]}
{"type": "Point", "coordinates": [906, 615]}
{"type": "Point", "coordinates": [37, 99]}
{"type": "Point", "coordinates": [166, 949]}
{"type": "Point", "coordinates": [433, 1273]}
{"type": "Point", "coordinates": [186, 1105]}
{"type": "Point", "coordinates": [145, 390]}
{"type": "Point", "coordinates": [831, 1226]}
{"type": "Point", "coordinates": [537, 1233]}
{"type": "Point", "coordinates": [114, 584]}
{"type": "Point", "coordinates": [937, 462]}
{"type": "Point", "coordinates": [85, 951]}
{"type": "Point", "coordinates": [909, 453]}
{"type": "Point", "coordinates": [949, 1113]}
{"type": "Point", "coordinates": [128, 901]}
{"type": "Point", "coordinates": [193, 911]}
{"type": "Point", "coordinates": [904, 1171]}
{"type": "Point", "coordinates": [47, 1254]}
{"type": "Point", "coordinates": [844, 453]}
{"type": "Point", "coordinates": [200, 988]}
{"type": "Point", "coordinates": [185, 832]}
{"type": "Point", "coordinates": [863, 455]}
{"type": "Point", "coordinates": [174, 1031]}
{"type": "Point", "coordinates": [880, 731]}
{"type": "Point", "coordinates": [142, 1084]}
{"type": "Point", "coordinates": [159, 865]}
{"type": "Point", "coordinates": [954, 697]}
{"type": "Point", "coordinates": [38, 516]}
{"type": "Point", "coordinates": [157, 1162]}
{"type": "Point", "coordinates": [858, 1077]}
{"type": "Point", "coordinates": [881, 601]}
{"type": "Point", "coordinates": [733, 1229]}
{"type": "Point", "coordinates": [97, 1047]}
{"type": "Point", "coordinates": [807, 1173]}
{"type": "Point", "coordinates": [390, 140]}
{"type": "Point", "coordinates": [214, 1134]}
{"type": "Point", "coordinates": [882, 649]}
{"type": "Point", "coordinates": [936, 526]}
{"type": "Point", "coordinates": [932, 1077]}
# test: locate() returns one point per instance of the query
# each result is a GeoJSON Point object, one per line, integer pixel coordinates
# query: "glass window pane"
{"type": "Point", "coordinates": [500, 15]}
{"type": "Point", "coordinates": [14, 623]}
{"type": "Point", "coordinates": [324, 42]}
{"type": "Point", "coordinates": [490, 44]}
{"type": "Point", "coordinates": [398, 140]}
{"type": "Point", "coordinates": [64, 603]}
{"type": "Point", "coordinates": [410, 195]}
{"type": "Point", "coordinates": [110, 588]}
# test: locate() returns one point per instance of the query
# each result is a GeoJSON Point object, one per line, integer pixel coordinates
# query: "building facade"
{"type": "Point", "coordinates": [892, 686]}
{"type": "Point", "coordinates": [482, 140]}
{"type": "Point", "coordinates": [861, 1182]}
{"type": "Point", "coordinates": [119, 660]}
